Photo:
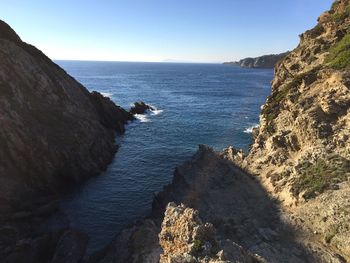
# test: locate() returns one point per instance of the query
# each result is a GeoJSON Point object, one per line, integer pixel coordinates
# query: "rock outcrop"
{"type": "Point", "coordinates": [185, 238]}
{"type": "Point", "coordinates": [54, 132]}
{"type": "Point", "coordinates": [267, 61]}
{"type": "Point", "coordinates": [140, 108]}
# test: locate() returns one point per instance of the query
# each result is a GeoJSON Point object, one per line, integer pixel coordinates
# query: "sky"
{"type": "Point", "coordinates": [160, 30]}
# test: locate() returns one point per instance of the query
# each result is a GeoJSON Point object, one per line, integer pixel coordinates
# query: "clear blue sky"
{"type": "Point", "coordinates": [157, 30]}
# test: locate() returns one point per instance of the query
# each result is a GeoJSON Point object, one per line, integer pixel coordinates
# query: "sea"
{"type": "Point", "coordinates": [212, 104]}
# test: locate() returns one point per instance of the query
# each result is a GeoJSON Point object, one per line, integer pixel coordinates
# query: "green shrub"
{"type": "Point", "coordinates": [335, 4]}
{"type": "Point", "coordinates": [197, 246]}
{"type": "Point", "coordinates": [340, 17]}
{"type": "Point", "coordinates": [320, 176]}
{"type": "Point", "coordinates": [339, 54]}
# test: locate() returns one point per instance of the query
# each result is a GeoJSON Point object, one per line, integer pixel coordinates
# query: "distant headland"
{"type": "Point", "coordinates": [266, 61]}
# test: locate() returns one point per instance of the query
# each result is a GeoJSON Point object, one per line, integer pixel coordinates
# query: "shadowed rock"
{"type": "Point", "coordinates": [140, 108]}
{"type": "Point", "coordinates": [54, 132]}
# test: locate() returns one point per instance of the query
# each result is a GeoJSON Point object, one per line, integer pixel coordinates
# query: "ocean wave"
{"type": "Point", "coordinates": [155, 111]}
{"type": "Point", "coordinates": [142, 117]}
{"type": "Point", "coordinates": [146, 116]}
{"type": "Point", "coordinates": [250, 129]}
{"type": "Point", "coordinates": [107, 94]}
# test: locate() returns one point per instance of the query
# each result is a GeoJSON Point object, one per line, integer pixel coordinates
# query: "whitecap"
{"type": "Point", "coordinates": [142, 117]}
{"type": "Point", "coordinates": [107, 94]}
{"type": "Point", "coordinates": [250, 129]}
{"type": "Point", "coordinates": [156, 111]}
{"type": "Point", "coordinates": [146, 116]}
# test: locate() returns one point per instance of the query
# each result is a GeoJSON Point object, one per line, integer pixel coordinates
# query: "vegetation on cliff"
{"type": "Point", "coordinates": [339, 54]}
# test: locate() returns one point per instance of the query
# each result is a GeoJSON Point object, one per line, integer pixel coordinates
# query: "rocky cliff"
{"type": "Point", "coordinates": [267, 61]}
{"type": "Point", "coordinates": [301, 150]}
{"type": "Point", "coordinates": [288, 200]}
{"type": "Point", "coordinates": [53, 131]}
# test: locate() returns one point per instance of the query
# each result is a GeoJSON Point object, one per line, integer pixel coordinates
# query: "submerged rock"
{"type": "Point", "coordinates": [140, 108]}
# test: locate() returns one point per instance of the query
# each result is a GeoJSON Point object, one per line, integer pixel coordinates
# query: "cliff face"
{"type": "Point", "coordinates": [301, 150]}
{"type": "Point", "coordinates": [267, 61]}
{"type": "Point", "coordinates": [302, 144]}
{"type": "Point", "coordinates": [53, 131]}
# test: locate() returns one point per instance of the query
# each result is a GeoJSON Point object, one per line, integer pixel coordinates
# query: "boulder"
{"type": "Point", "coordinates": [140, 108]}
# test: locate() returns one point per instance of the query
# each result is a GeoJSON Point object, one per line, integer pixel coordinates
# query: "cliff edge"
{"type": "Point", "coordinates": [54, 132]}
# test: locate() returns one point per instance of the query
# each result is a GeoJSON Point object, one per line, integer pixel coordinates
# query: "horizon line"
{"type": "Point", "coordinates": [128, 61]}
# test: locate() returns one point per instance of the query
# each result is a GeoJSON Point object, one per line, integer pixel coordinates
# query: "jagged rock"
{"type": "Point", "coordinates": [234, 155]}
{"type": "Point", "coordinates": [185, 238]}
{"type": "Point", "coordinates": [140, 108]}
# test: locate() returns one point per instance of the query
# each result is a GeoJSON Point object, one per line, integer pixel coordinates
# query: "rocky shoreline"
{"type": "Point", "coordinates": [287, 200]}
{"type": "Point", "coordinates": [247, 224]}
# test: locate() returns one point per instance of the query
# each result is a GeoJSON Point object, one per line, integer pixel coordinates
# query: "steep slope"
{"type": "Point", "coordinates": [244, 223]}
{"type": "Point", "coordinates": [301, 151]}
{"type": "Point", "coordinates": [53, 131]}
{"type": "Point", "coordinates": [302, 144]}
{"type": "Point", "coordinates": [267, 61]}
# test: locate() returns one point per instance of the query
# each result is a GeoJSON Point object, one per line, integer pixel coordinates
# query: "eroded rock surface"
{"type": "Point", "coordinates": [301, 150]}
{"type": "Point", "coordinates": [185, 238]}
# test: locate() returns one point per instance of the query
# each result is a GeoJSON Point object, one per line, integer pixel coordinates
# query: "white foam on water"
{"type": "Point", "coordinates": [250, 129]}
{"type": "Point", "coordinates": [107, 94]}
{"type": "Point", "coordinates": [142, 117]}
{"type": "Point", "coordinates": [156, 111]}
{"type": "Point", "coordinates": [146, 116]}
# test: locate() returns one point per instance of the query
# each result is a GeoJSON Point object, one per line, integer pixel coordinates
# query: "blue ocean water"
{"type": "Point", "coordinates": [208, 104]}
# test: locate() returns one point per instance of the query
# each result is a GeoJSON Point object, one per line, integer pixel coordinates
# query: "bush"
{"type": "Point", "coordinates": [340, 17]}
{"type": "Point", "coordinates": [334, 5]}
{"type": "Point", "coordinates": [339, 54]}
{"type": "Point", "coordinates": [320, 176]}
